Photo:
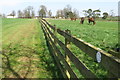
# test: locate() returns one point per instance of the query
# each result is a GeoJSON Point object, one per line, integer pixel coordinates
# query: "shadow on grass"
{"type": "Point", "coordinates": [12, 68]}
{"type": "Point", "coordinates": [7, 63]}
{"type": "Point", "coordinates": [51, 64]}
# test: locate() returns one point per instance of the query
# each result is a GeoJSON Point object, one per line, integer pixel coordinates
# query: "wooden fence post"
{"type": "Point", "coordinates": [67, 44]}
{"type": "Point", "coordinates": [41, 24]}
{"type": "Point", "coordinates": [55, 33]}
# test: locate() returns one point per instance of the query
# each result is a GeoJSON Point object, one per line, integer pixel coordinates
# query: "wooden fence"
{"type": "Point", "coordinates": [109, 62]}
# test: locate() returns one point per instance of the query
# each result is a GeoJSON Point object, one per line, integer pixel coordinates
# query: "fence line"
{"type": "Point", "coordinates": [110, 62]}
{"type": "Point", "coordinates": [59, 55]}
{"type": "Point", "coordinates": [50, 47]}
{"type": "Point", "coordinates": [73, 58]}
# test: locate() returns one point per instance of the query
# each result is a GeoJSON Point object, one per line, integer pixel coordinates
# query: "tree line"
{"type": "Point", "coordinates": [66, 12]}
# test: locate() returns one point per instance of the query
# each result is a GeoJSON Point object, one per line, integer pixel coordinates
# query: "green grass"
{"type": "Point", "coordinates": [103, 35]}
{"type": "Point", "coordinates": [25, 53]}
{"type": "Point", "coordinates": [24, 45]}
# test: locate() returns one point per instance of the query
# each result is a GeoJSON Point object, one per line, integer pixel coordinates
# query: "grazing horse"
{"type": "Point", "coordinates": [73, 19]}
{"type": "Point", "coordinates": [91, 20]}
{"type": "Point", "coordinates": [82, 20]}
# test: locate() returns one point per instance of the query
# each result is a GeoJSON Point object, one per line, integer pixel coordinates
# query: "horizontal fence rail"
{"type": "Point", "coordinates": [109, 62]}
{"type": "Point", "coordinates": [79, 65]}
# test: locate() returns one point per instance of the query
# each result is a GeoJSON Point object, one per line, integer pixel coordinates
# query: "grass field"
{"type": "Point", "coordinates": [25, 53]}
{"type": "Point", "coordinates": [103, 35]}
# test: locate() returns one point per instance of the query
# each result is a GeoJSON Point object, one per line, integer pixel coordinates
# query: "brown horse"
{"type": "Point", "coordinates": [91, 20]}
{"type": "Point", "coordinates": [82, 20]}
{"type": "Point", "coordinates": [73, 19]}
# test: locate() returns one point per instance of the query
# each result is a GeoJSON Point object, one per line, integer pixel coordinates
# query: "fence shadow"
{"type": "Point", "coordinates": [51, 65]}
{"type": "Point", "coordinates": [10, 63]}
{"type": "Point", "coordinates": [7, 62]}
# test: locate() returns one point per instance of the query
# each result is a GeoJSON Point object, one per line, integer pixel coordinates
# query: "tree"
{"type": "Point", "coordinates": [96, 13]}
{"type": "Point", "coordinates": [66, 11]}
{"type": "Point", "coordinates": [71, 15]}
{"type": "Point", "coordinates": [111, 14]}
{"type": "Point", "coordinates": [91, 13]}
{"type": "Point", "coordinates": [42, 12]}
{"type": "Point", "coordinates": [59, 13]}
{"type": "Point", "coordinates": [49, 13]}
{"type": "Point", "coordinates": [20, 14]}
{"type": "Point", "coordinates": [88, 13]}
{"type": "Point", "coordinates": [28, 12]}
{"type": "Point", "coordinates": [33, 14]}
{"type": "Point", "coordinates": [69, 8]}
{"type": "Point", "coordinates": [85, 13]}
{"type": "Point", "coordinates": [76, 13]}
{"type": "Point", "coordinates": [25, 13]}
{"type": "Point", "coordinates": [13, 13]}
{"type": "Point", "coordinates": [0, 15]}
{"type": "Point", "coordinates": [4, 16]}
{"type": "Point", "coordinates": [105, 15]}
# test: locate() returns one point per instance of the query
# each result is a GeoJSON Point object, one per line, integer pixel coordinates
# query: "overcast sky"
{"type": "Point", "coordinates": [6, 6]}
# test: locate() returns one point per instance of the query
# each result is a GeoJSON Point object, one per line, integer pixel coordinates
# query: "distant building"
{"type": "Point", "coordinates": [36, 17]}
{"type": "Point", "coordinates": [8, 16]}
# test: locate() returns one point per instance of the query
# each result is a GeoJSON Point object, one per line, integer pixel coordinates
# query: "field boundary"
{"type": "Point", "coordinates": [63, 60]}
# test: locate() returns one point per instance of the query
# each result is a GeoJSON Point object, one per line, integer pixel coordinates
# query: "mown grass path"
{"type": "Point", "coordinates": [25, 54]}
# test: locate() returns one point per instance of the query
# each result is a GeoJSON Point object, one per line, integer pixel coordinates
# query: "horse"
{"type": "Point", "coordinates": [91, 20]}
{"type": "Point", "coordinates": [73, 19]}
{"type": "Point", "coordinates": [82, 20]}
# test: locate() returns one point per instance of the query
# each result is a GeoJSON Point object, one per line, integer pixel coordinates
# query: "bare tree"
{"type": "Point", "coordinates": [111, 14]}
{"type": "Point", "coordinates": [28, 12]}
{"type": "Point", "coordinates": [69, 8]}
{"type": "Point", "coordinates": [33, 14]}
{"type": "Point", "coordinates": [25, 13]}
{"type": "Point", "coordinates": [49, 13]}
{"type": "Point", "coordinates": [66, 11]}
{"type": "Point", "coordinates": [29, 9]}
{"type": "Point", "coordinates": [76, 13]}
{"type": "Point", "coordinates": [59, 13]}
{"type": "Point", "coordinates": [20, 14]}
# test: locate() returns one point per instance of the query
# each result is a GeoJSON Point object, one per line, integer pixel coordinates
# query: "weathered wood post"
{"type": "Point", "coordinates": [55, 33]}
{"type": "Point", "coordinates": [41, 23]}
{"type": "Point", "coordinates": [67, 44]}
